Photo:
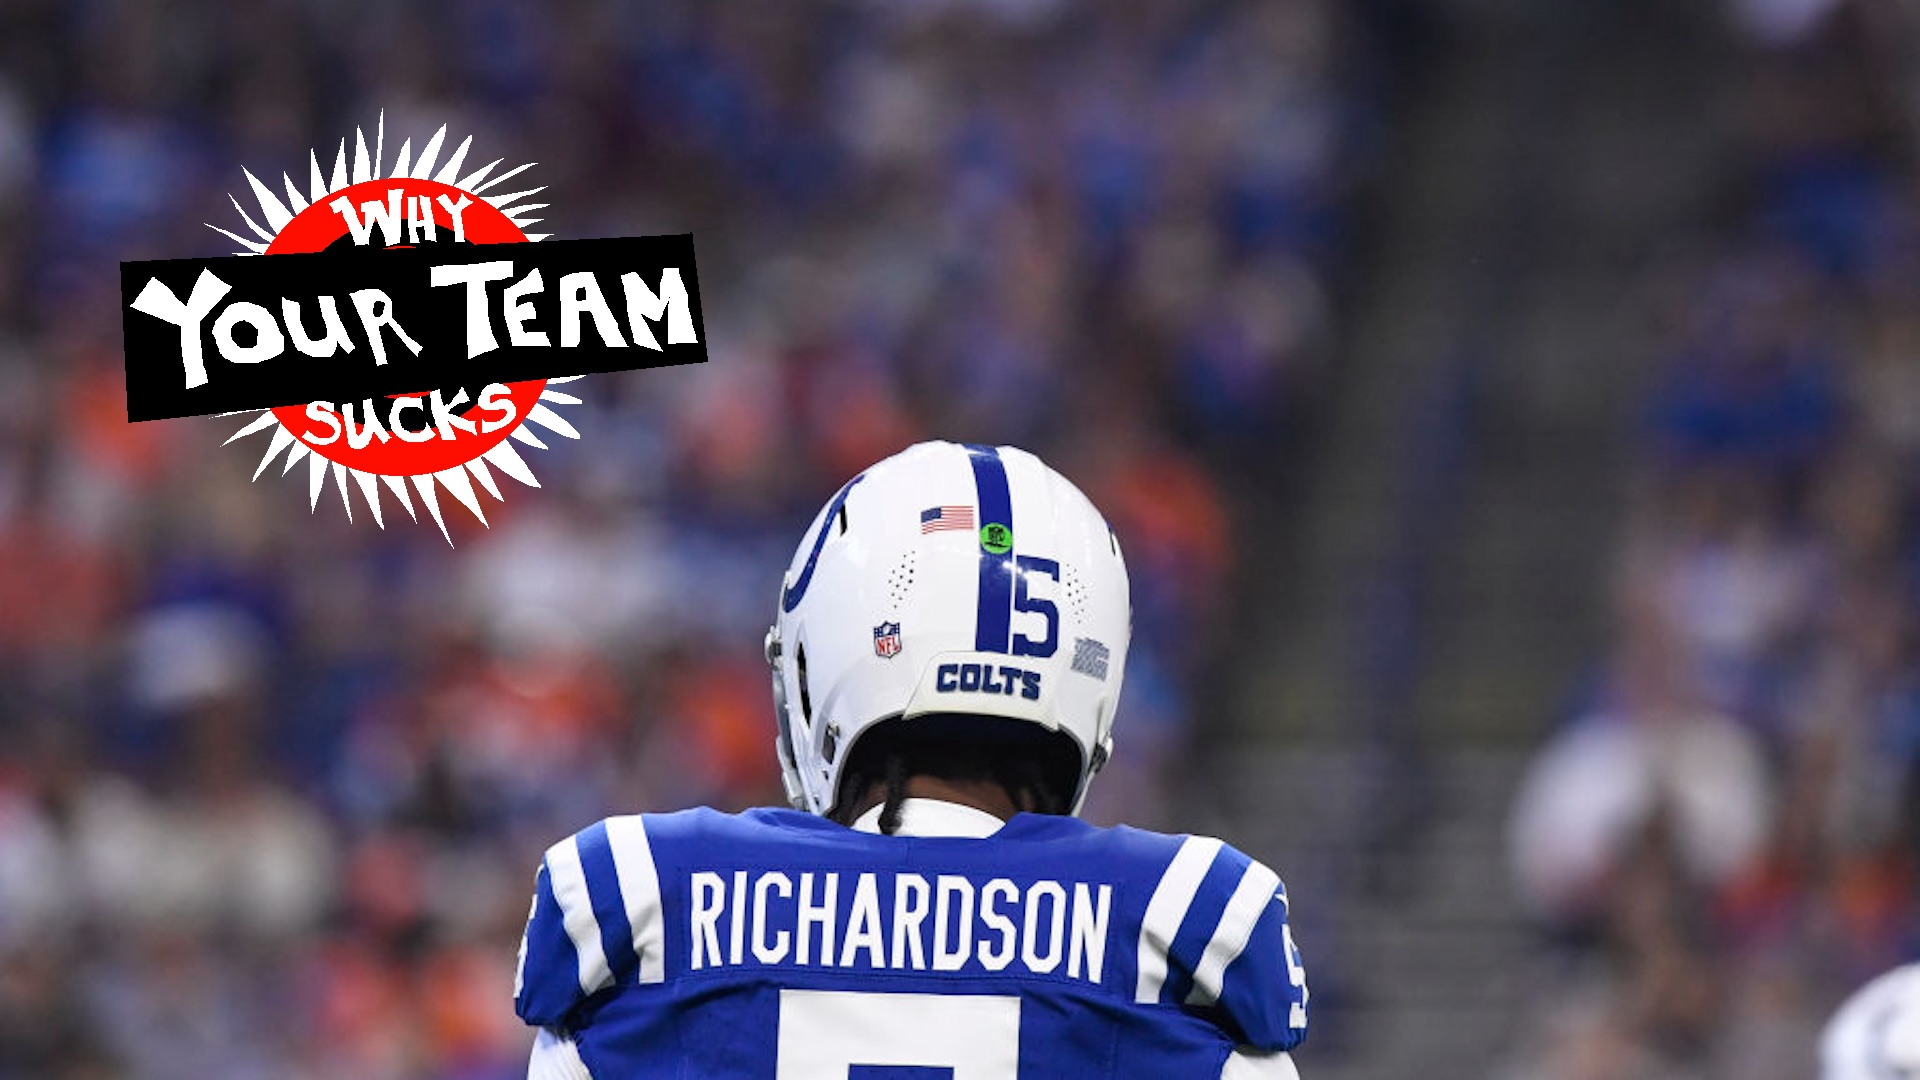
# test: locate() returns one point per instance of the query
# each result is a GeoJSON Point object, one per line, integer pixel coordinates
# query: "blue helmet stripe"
{"type": "Point", "coordinates": [790, 598]}
{"type": "Point", "coordinates": [995, 612]}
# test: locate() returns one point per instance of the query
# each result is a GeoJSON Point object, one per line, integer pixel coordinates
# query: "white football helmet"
{"type": "Point", "coordinates": [1875, 1035]}
{"type": "Point", "coordinates": [948, 579]}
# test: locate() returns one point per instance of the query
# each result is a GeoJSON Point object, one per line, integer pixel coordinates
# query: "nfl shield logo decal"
{"type": "Point", "coordinates": [886, 640]}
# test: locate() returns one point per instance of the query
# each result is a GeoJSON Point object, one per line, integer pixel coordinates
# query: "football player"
{"type": "Point", "coordinates": [1875, 1035]}
{"type": "Point", "coordinates": [947, 654]}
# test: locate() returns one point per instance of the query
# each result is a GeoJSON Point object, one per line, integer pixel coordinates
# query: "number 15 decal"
{"type": "Point", "coordinates": [1024, 602]}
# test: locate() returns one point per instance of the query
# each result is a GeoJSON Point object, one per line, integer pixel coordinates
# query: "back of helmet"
{"type": "Point", "coordinates": [948, 580]}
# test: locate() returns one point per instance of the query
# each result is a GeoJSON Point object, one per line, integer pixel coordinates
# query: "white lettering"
{"type": "Point", "coordinates": [456, 209]}
{"type": "Point", "coordinates": [863, 926]}
{"type": "Point", "coordinates": [400, 430]}
{"type": "Point", "coordinates": [581, 293]}
{"type": "Point", "coordinates": [358, 439]}
{"type": "Point", "coordinates": [386, 215]}
{"type": "Point", "coordinates": [158, 301]}
{"type": "Point", "coordinates": [474, 276]}
{"type": "Point", "coordinates": [444, 418]}
{"type": "Point", "coordinates": [1049, 925]}
{"type": "Point", "coordinates": [997, 959]}
{"type": "Point", "coordinates": [951, 887]}
{"type": "Point", "coordinates": [1037, 962]}
{"type": "Point", "coordinates": [1089, 936]}
{"type": "Point", "coordinates": [821, 916]}
{"type": "Point", "coordinates": [321, 412]}
{"type": "Point", "coordinates": [329, 321]}
{"type": "Point", "coordinates": [267, 339]}
{"type": "Point", "coordinates": [496, 397]}
{"type": "Point", "coordinates": [642, 305]}
{"type": "Point", "coordinates": [769, 954]}
{"type": "Point", "coordinates": [709, 896]}
{"type": "Point", "coordinates": [736, 923]}
{"type": "Point", "coordinates": [376, 310]}
{"type": "Point", "coordinates": [419, 218]}
{"type": "Point", "coordinates": [907, 917]}
{"type": "Point", "coordinates": [519, 311]}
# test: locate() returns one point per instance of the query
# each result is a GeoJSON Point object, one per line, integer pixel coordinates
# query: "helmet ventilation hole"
{"type": "Point", "coordinates": [900, 580]}
{"type": "Point", "coordinates": [1076, 589]}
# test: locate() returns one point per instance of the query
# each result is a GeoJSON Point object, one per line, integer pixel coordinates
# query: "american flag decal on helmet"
{"type": "Point", "coordinates": [945, 518]}
{"type": "Point", "coordinates": [886, 640]}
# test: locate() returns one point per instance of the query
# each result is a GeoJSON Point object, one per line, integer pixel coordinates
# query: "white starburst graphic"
{"type": "Point", "coordinates": [458, 479]}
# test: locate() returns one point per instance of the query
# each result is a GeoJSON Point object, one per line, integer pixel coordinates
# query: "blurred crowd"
{"type": "Point", "coordinates": [273, 785]}
{"type": "Point", "coordinates": [1722, 843]}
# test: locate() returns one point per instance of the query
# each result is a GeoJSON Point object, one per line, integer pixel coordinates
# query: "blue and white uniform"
{"type": "Point", "coordinates": [781, 945]}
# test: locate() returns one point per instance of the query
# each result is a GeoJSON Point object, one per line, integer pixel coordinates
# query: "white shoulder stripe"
{"type": "Point", "coordinates": [1168, 906]}
{"type": "Point", "coordinates": [576, 913]}
{"type": "Point", "coordinates": [1258, 887]}
{"type": "Point", "coordinates": [640, 888]}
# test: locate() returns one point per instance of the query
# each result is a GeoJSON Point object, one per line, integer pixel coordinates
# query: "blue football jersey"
{"type": "Point", "coordinates": [776, 944]}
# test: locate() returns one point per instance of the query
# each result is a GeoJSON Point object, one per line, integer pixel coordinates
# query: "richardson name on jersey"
{"type": "Point", "coordinates": [898, 922]}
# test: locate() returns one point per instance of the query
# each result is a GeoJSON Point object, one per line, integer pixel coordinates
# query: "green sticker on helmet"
{"type": "Point", "coordinates": [996, 538]}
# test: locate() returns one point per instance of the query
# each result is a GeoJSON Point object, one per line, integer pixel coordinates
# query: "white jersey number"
{"type": "Point", "coordinates": [1297, 975]}
{"type": "Point", "coordinates": [825, 1033]}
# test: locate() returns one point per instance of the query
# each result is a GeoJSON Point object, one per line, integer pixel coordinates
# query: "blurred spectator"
{"type": "Point", "coordinates": [1652, 763]}
{"type": "Point", "coordinates": [272, 784]}
{"type": "Point", "coordinates": [1733, 884]}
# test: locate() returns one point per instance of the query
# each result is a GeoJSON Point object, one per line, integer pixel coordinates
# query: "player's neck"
{"type": "Point", "coordinates": [978, 794]}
